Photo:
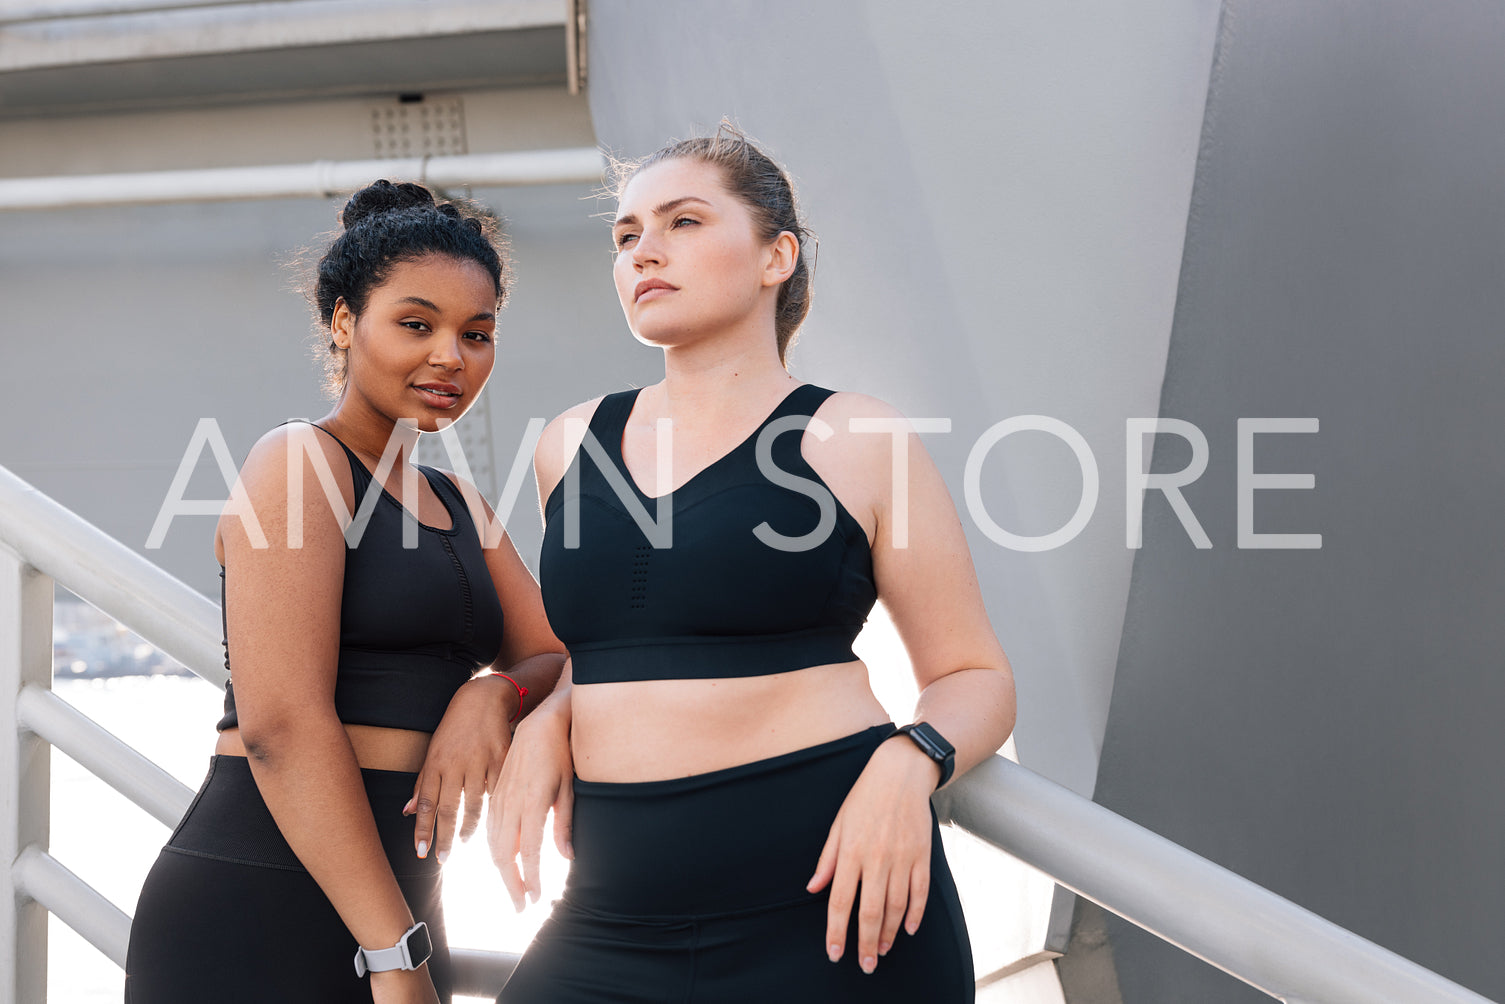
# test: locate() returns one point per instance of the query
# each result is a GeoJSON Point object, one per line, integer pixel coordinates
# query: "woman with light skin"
{"type": "Point", "coordinates": [744, 821]}
{"type": "Point", "coordinates": [360, 713]}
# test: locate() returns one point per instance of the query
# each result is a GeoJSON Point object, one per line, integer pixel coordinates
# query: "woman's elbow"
{"type": "Point", "coordinates": [1005, 703]}
{"type": "Point", "coordinates": [271, 736]}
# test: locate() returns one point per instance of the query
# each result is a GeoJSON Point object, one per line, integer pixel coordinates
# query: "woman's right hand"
{"type": "Point", "coordinates": [403, 986]}
{"type": "Point", "coordinates": [538, 775]}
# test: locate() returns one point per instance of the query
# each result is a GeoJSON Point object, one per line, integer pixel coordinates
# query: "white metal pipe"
{"type": "Point", "coordinates": [1222, 918]}
{"type": "Point", "coordinates": [112, 761]}
{"type": "Point", "coordinates": [25, 771]}
{"type": "Point", "coordinates": [177, 619]}
{"type": "Point", "coordinates": [320, 179]}
{"type": "Point", "coordinates": [43, 878]}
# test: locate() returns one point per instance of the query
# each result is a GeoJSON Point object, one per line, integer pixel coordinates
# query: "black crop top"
{"type": "Point", "coordinates": [415, 623]}
{"type": "Point", "coordinates": [709, 598]}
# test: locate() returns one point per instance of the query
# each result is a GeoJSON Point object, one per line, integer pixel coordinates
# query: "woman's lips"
{"type": "Point", "coordinates": [649, 286]}
{"type": "Point", "coordinates": [438, 395]}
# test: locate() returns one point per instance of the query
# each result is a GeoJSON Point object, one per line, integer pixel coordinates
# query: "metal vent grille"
{"type": "Point", "coordinates": [423, 128]}
{"type": "Point", "coordinates": [474, 435]}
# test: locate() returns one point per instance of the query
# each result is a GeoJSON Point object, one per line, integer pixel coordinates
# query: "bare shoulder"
{"type": "Point", "coordinates": [293, 454]}
{"type": "Point", "coordinates": [558, 443]}
{"type": "Point", "coordinates": [272, 460]}
{"type": "Point", "coordinates": [569, 424]}
{"type": "Point", "coordinates": [563, 435]}
{"type": "Point", "coordinates": [845, 405]}
{"type": "Point", "coordinates": [851, 404]}
{"type": "Point", "coordinates": [862, 429]}
{"type": "Point", "coordinates": [842, 448]}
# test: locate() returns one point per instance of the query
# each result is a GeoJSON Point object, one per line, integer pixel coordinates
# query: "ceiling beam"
{"type": "Point", "coordinates": [127, 31]}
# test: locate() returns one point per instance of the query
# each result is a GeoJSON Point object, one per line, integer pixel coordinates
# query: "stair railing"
{"type": "Point", "coordinates": [1249, 932]}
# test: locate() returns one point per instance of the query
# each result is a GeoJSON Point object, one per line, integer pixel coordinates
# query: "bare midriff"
{"type": "Point", "coordinates": [375, 748]}
{"type": "Point", "coordinates": [650, 730]}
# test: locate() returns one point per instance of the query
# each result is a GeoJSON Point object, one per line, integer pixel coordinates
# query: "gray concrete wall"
{"type": "Point", "coordinates": [1000, 192]}
{"type": "Point", "coordinates": [1325, 722]}
{"type": "Point", "coordinates": [124, 326]}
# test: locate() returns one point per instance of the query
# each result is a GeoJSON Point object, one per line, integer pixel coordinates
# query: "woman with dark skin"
{"type": "Point", "coordinates": [359, 691]}
{"type": "Point", "coordinates": [836, 888]}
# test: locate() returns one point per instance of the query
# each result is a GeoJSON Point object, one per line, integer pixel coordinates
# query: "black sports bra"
{"type": "Point", "coordinates": [415, 623]}
{"type": "Point", "coordinates": [752, 575]}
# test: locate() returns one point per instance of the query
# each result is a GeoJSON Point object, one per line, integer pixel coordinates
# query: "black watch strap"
{"type": "Point", "coordinates": [935, 746]}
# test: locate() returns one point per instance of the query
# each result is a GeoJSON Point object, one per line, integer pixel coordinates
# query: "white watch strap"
{"type": "Point", "coordinates": [380, 960]}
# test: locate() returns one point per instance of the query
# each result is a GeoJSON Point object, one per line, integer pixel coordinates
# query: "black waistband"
{"type": "Point", "coordinates": [741, 839]}
{"type": "Point", "coordinates": [229, 821]}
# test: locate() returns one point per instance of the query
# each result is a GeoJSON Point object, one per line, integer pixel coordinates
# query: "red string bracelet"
{"type": "Point", "coordinates": [521, 693]}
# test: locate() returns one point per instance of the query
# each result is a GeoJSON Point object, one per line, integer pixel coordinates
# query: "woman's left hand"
{"type": "Point", "coordinates": [464, 762]}
{"type": "Point", "coordinates": [880, 841]}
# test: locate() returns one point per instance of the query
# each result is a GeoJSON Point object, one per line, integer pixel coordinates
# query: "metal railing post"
{"type": "Point", "coordinates": [25, 775]}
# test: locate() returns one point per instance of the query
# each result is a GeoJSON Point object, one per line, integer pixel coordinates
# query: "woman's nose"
{"type": "Point", "coordinates": [445, 352]}
{"type": "Point", "coordinates": [646, 250]}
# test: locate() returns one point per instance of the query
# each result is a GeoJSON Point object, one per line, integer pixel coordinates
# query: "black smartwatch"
{"type": "Point", "coordinates": [935, 746]}
{"type": "Point", "coordinates": [411, 951]}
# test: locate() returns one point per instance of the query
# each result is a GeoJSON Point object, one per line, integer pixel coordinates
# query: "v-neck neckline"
{"type": "Point", "coordinates": [454, 522]}
{"type": "Point", "coordinates": [621, 460]}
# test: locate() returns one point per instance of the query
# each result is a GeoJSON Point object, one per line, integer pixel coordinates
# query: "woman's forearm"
{"type": "Point", "coordinates": [309, 778]}
{"type": "Point", "coordinates": [540, 676]}
{"type": "Point", "coordinates": [556, 703]}
{"type": "Point", "coordinates": [973, 709]}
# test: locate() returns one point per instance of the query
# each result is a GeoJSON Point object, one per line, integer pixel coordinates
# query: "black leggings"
{"type": "Point", "coordinates": [229, 915]}
{"type": "Point", "coordinates": [693, 890]}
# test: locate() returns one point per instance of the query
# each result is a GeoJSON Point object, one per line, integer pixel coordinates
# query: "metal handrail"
{"type": "Point", "coordinates": [101, 570]}
{"type": "Point", "coordinates": [1203, 908]}
{"type": "Point", "coordinates": [73, 901]}
{"type": "Point", "coordinates": [69, 730]}
{"type": "Point", "coordinates": [1239, 927]}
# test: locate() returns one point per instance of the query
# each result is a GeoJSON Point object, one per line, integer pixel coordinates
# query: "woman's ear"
{"type": "Point", "coordinates": [783, 255]}
{"type": "Point", "coordinates": [342, 324]}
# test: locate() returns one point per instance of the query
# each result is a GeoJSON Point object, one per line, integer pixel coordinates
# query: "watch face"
{"type": "Point", "coordinates": [933, 741]}
{"type": "Point", "coordinates": [420, 946]}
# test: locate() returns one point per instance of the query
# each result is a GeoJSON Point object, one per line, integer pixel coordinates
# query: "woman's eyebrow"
{"type": "Point", "coordinates": [660, 209]}
{"type": "Point", "coordinates": [419, 301]}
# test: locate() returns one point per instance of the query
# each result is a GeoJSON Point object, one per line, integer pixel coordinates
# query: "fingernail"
{"type": "Point", "coordinates": [883, 948]}
{"type": "Point", "coordinates": [911, 928]}
{"type": "Point", "coordinates": [833, 952]}
{"type": "Point", "coordinates": [569, 850]}
{"type": "Point", "coordinates": [406, 809]}
{"type": "Point", "coordinates": [423, 848]}
{"type": "Point", "coordinates": [443, 856]}
{"type": "Point", "coordinates": [869, 964]}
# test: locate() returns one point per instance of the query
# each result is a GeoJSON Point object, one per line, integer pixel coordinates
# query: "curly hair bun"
{"type": "Point", "coordinates": [386, 224]}
{"type": "Point", "coordinates": [384, 197]}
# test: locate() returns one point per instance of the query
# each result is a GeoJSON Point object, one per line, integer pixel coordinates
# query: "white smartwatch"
{"type": "Point", "coordinates": [410, 952]}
